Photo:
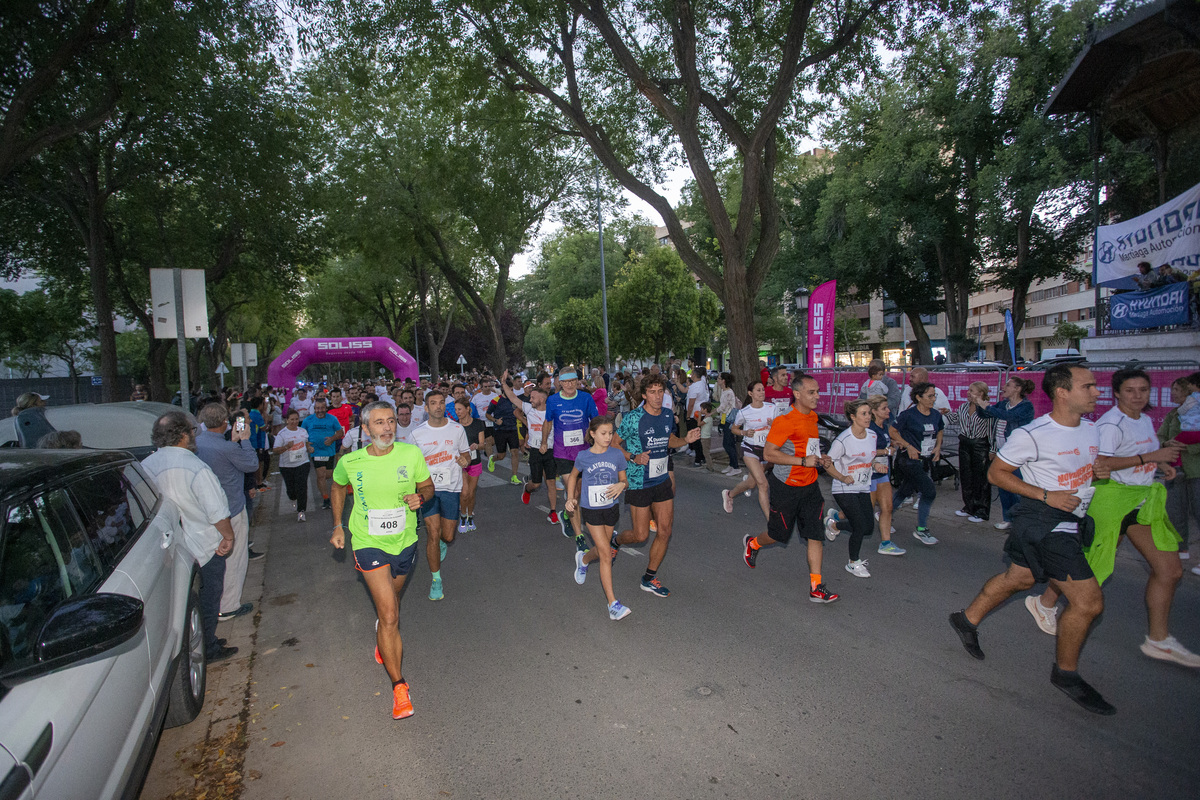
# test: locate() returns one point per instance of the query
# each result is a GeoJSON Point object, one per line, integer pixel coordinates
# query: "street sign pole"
{"type": "Point", "coordinates": [222, 371]}
{"type": "Point", "coordinates": [185, 389]}
{"type": "Point", "coordinates": [462, 363]}
{"type": "Point", "coordinates": [243, 346]}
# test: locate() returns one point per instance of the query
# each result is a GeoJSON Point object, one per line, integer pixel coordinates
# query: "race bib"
{"type": "Point", "coordinates": [862, 477]}
{"type": "Point", "coordinates": [598, 496]}
{"type": "Point", "coordinates": [572, 438]}
{"type": "Point", "coordinates": [759, 437]}
{"type": "Point", "coordinates": [535, 437]}
{"type": "Point", "coordinates": [1085, 494]}
{"type": "Point", "coordinates": [441, 477]}
{"type": "Point", "coordinates": [386, 522]}
{"type": "Point", "coordinates": [657, 467]}
{"type": "Point", "coordinates": [813, 448]}
{"type": "Point", "coordinates": [927, 447]}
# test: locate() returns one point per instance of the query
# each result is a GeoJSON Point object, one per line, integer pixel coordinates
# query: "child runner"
{"type": "Point", "coordinates": [602, 469]}
{"type": "Point", "coordinates": [851, 463]}
{"type": "Point", "coordinates": [476, 432]}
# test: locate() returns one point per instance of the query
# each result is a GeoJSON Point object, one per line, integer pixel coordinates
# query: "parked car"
{"type": "Point", "coordinates": [107, 426]}
{"type": "Point", "coordinates": [100, 635]}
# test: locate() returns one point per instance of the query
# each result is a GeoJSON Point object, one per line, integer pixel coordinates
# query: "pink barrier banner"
{"type": "Point", "coordinates": [1160, 392]}
{"type": "Point", "coordinates": [955, 384]}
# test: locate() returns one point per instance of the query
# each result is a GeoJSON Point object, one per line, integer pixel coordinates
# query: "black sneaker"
{"type": "Point", "coordinates": [221, 654]}
{"type": "Point", "coordinates": [564, 523]}
{"type": "Point", "coordinates": [325, 504]}
{"type": "Point", "coordinates": [614, 547]}
{"type": "Point", "coordinates": [968, 633]}
{"type": "Point", "coordinates": [244, 608]}
{"type": "Point", "coordinates": [255, 555]}
{"type": "Point", "coordinates": [751, 554]}
{"type": "Point", "coordinates": [1080, 691]}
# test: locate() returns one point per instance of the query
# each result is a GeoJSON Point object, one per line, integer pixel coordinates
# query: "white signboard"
{"type": "Point", "coordinates": [162, 304]}
{"type": "Point", "coordinates": [243, 354]}
{"type": "Point", "coordinates": [1170, 234]}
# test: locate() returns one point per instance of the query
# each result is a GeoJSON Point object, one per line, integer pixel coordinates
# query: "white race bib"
{"type": "Point", "coordinates": [657, 467]}
{"type": "Point", "coordinates": [927, 447]}
{"type": "Point", "coordinates": [598, 496]}
{"type": "Point", "coordinates": [1085, 494]}
{"type": "Point", "coordinates": [572, 438]}
{"type": "Point", "coordinates": [441, 477]}
{"type": "Point", "coordinates": [813, 448]}
{"type": "Point", "coordinates": [862, 477]}
{"type": "Point", "coordinates": [759, 438]}
{"type": "Point", "coordinates": [534, 439]}
{"type": "Point", "coordinates": [385, 522]}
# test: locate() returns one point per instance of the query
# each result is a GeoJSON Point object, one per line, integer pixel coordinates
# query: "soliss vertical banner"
{"type": "Point", "coordinates": [821, 306]}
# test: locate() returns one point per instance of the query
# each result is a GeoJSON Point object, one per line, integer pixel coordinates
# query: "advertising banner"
{"type": "Point", "coordinates": [1167, 305]}
{"type": "Point", "coordinates": [821, 307]}
{"type": "Point", "coordinates": [1012, 336]}
{"type": "Point", "coordinates": [1170, 234]}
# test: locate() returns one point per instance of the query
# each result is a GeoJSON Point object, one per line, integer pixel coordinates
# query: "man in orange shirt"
{"type": "Point", "coordinates": [794, 451]}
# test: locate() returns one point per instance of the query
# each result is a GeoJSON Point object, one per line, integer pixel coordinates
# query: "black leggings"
{"type": "Point", "coordinates": [295, 480]}
{"type": "Point", "coordinates": [858, 519]}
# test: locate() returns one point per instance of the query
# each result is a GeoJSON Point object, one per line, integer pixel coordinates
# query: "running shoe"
{"type": "Point", "coordinates": [968, 633]}
{"type": "Point", "coordinates": [254, 555]}
{"type": "Point", "coordinates": [976, 519]}
{"type": "Point", "coordinates": [300, 517]}
{"type": "Point", "coordinates": [435, 589]}
{"type": "Point", "coordinates": [1046, 618]}
{"type": "Point", "coordinates": [923, 536]}
{"type": "Point", "coordinates": [614, 546]}
{"type": "Point", "coordinates": [726, 501]}
{"type": "Point", "coordinates": [378, 658]}
{"type": "Point", "coordinates": [558, 484]}
{"type": "Point", "coordinates": [1002, 526]}
{"type": "Point", "coordinates": [325, 504]}
{"type": "Point", "coordinates": [858, 568]}
{"type": "Point", "coordinates": [655, 587]}
{"type": "Point", "coordinates": [492, 463]}
{"type": "Point", "coordinates": [961, 513]}
{"type": "Point", "coordinates": [890, 548]}
{"type": "Point", "coordinates": [831, 524]}
{"type": "Point", "coordinates": [1184, 555]}
{"type": "Point", "coordinates": [580, 568]}
{"type": "Point", "coordinates": [747, 492]}
{"type": "Point", "coordinates": [1196, 570]}
{"type": "Point", "coordinates": [471, 522]}
{"type": "Point", "coordinates": [1079, 690]}
{"type": "Point", "coordinates": [552, 517]}
{"type": "Point", "coordinates": [581, 544]}
{"type": "Point", "coordinates": [401, 701]}
{"type": "Point", "coordinates": [244, 608]}
{"type": "Point", "coordinates": [564, 524]}
{"type": "Point", "coordinates": [1170, 649]}
{"type": "Point", "coordinates": [821, 594]}
{"type": "Point", "coordinates": [515, 480]}
{"type": "Point", "coordinates": [908, 501]}
{"type": "Point", "coordinates": [462, 524]}
{"type": "Point", "coordinates": [443, 548]}
{"type": "Point", "coordinates": [617, 611]}
{"type": "Point", "coordinates": [751, 554]}
{"type": "Point", "coordinates": [525, 497]}
{"type": "Point", "coordinates": [653, 527]}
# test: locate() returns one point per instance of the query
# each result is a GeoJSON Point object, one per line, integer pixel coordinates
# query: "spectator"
{"type": "Point", "coordinates": [1183, 491]}
{"type": "Point", "coordinates": [230, 460]}
{"type": "Point", "coordinates": [30, 400]}
{"type": "Point", "coordinates": [1145, 279]}
{"type": "Point", "coordinates": [204, 515]}
{"type": "Point", "coordinates": [61, 440]}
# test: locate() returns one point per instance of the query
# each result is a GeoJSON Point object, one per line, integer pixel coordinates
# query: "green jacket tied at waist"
{"type": "Point", "coordinates": [1111, 504]}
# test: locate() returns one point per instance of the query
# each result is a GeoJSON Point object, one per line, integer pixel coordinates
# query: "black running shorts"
{"type": "Point", "coordinates": [505, 440]}
{"type": "Point", "coordinates": [541, 466]}
{"type": "Point", "coordinates": [647, 496]}
{"type": "Point", "coordinates": [795, 508]}
{"type": "Point", "coordinates": [601, 516]}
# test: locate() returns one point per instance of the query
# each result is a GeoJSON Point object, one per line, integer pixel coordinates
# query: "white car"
{"type": "Point", "coordinates": [100, 635]}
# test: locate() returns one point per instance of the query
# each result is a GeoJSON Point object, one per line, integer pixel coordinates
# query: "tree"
{"type": "Point", "coordinates": [655, 308]}
{"type": "Point", "coordinates": [648, 86]}
{"type": "Point", "coordinates": [45, 325]}
{"type": "Point", "coordinates": [577, 330]}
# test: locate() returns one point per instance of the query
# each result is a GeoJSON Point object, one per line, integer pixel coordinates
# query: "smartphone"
{"type": "Point", "coordinates": [240, 425]}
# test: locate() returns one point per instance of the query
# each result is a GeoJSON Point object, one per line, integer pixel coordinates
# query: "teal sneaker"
{"type": "Point", "coordinates": [435, 589]}
{"type": "Point", "coordinates": [923, 536]}
{"type": "Point", "coordinates": [442, 548]}
{"type": "Point", "coordinates": [891, 549]}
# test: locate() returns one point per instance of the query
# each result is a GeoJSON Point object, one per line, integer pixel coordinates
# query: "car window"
{"type": "Point", "coordinates": [83, 567]}
{"type": "Point", "coordinates": [145, 492]}
{"type": "Point", "coordinates": [33, 580]}
{"type": "Point", "coordinates": [111, 517]}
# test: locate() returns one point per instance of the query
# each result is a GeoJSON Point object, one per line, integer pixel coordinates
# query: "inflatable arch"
{"type": "Point", "coordinates": [291, 362]}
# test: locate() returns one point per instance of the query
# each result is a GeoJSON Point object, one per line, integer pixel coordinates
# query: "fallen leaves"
{"type": "Point", "coordinates": [279, 744]}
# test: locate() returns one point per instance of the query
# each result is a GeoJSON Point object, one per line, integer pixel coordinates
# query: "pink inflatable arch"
{"type": "Point", "coordinates": [291, 362]}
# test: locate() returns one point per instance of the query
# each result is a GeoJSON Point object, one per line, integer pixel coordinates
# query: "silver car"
{"type": "Point", "coordinates": [100, 635]}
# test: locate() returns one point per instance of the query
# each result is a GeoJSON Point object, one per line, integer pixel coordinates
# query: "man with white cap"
{"type": "Point", "coordinates": [568, 414]}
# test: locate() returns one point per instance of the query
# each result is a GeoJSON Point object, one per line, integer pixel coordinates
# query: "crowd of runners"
{"type": "Point", "coordinates": [403, 455]}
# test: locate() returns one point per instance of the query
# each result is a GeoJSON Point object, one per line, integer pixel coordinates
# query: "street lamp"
{"type": "Point", "coordinates": [801, 296]}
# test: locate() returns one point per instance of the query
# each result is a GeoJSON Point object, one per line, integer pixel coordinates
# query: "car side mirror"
{"type": "Point", "coordinates": [82, 627]}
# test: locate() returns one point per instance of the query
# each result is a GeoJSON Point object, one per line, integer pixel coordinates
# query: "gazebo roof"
{"type": "Point", "coordinates": [1142, 74]}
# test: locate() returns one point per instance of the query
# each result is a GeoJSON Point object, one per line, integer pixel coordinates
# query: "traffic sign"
{"type": "Point", "coordinates": [222, 369]}
{"type": "Point", "coordinates": [462, 360]}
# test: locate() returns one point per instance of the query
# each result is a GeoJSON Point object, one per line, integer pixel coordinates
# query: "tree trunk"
{"type": "Point", "coordinates": [743, 344]}
{"type": "Point", "coordinates": [156, 361]}
{"type": "Point", "coordinates": [923, 351]}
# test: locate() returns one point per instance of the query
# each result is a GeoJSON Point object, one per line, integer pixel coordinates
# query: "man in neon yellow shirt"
{"type": "Point", "coordinates": [390, 481]}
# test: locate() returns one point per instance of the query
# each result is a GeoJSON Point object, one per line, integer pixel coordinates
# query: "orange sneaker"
{"type": "Point", "coordinates": [401, 703]}
{"type": "Point", "coordinates": [378, 658]}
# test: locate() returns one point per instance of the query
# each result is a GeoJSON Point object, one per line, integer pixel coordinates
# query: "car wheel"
{"type": "Point", "coordinates": [191, 674]}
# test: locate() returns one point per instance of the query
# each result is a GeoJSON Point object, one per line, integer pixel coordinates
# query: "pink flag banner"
{"type": "Point", "coordinates": [821, 307]}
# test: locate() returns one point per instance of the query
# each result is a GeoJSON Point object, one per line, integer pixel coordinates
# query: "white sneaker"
{"type": "Point", "coordinates": [1170, 649]}
{"type": "Point", "coordinates": [831, 527]}
{"type": "Point", "coordinates": [908, 501]}
{"type": "Point", "coordinates": [726, 501]}
{"type": "Point", "coordinates": [1046, 618]}
{"type": "Point", "coordinates": [1002, 526]}
{"type": "Point", "coordinates": [617, 611]}
{"type": "Point", "coordinates": [974, 518]}
{"type": "Point", "coordinates": [961, 513]}
{"type": "Point", "coordinates": [747, 492]}
{"type": "Point", "coordinates": [858, 568]}
{"type": "Point", "coordinates": [300, 517]}
{"type": "Point", "coordinates": [1196, 570]}
{"type": "Point", "coordinates": [877, 515]}
{"type": "Point", "coordinates": [580, 568]}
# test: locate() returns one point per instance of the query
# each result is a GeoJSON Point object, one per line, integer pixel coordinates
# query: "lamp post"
{"type": "Point", "coordinates": [800, 296]}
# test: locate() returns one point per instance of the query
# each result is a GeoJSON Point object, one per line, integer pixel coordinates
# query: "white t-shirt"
{"type": "Point", "coordinates": [698, 393]}
{"type": "Point", "coordinates": [441, 447]}
{"type": "Point", "coordinates": [756, 422]}
{"type": "Point", "coordinates": [534, 418]}
{"type": "Point", "coordinates": [1123, 437]}
{"type": "Point", "coordinates": [854, 458]}
{"type": "Point", "coordinates": [1055, 458]}
{"type": "Point", "coordinates": [404, 434]}
{"type": "Point", "coordinates": [304, 407]}
{"type": "Point", "coordinates": [350, 440]}
{"type": "Point", "coordinates": [292, 458]}
{"type": "Point", "coordinates": [481, 402]}
{"type": "Point", "coordinates": [939, 402]}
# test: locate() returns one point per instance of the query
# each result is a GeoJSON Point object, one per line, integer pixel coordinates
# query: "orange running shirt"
{"type": "Point", "coordinates": [792, 434]}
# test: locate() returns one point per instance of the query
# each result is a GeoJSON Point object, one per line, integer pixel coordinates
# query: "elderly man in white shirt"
{"type": "Point", "coordinates": [193, 487]}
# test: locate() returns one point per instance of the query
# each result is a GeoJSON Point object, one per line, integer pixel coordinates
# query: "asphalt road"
{"type": "Point", "coordinates": [734, 686]}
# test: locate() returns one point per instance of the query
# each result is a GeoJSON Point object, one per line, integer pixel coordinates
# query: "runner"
{"type": "Point", "coordinates": [1055, 454]}
{"type": "Point", "coordinates": [918, 434]}
{"type": "Point", "coordinates": [646, 438]}
{"type": "Point", "coordinates": [479, 407]}
{"type": "Point", "coordinates": [323, 434]}
{"type": "Point", "coordinates": [390, 481]}
{"type": "Point", "coordinates": [851, 464]}
{"type": "Point", "coordinates": [542, 465]}
{"type": "Point", "coordinates": [753, 422]}
{"type": "Point", "coordinates": [302, 403]}
{"type": "Point", "coordinates": [568, 414]}
{"type": "Point", "coordinates": [881, 481]}
{"type": "Point", "coordinates": [444, 444]}
{"type": "Point", "coordinates": [603, 472]}
{"type": "Point", "coordinates": [405, 423]}
{"type": "Point", "coordinates": [343, 412]}
{"type": "Point", "coordinates": [778, 393]}
{"type": "Point", "coordinates": [796, 501]}
{"type": "Point", "coordinates": [502, 413]}
{"type": "Point", "coordinates": [1132, 504]}
{"type": "Point", "coordinates": [292, 447]}
{"type": "Point", "coordinates": [476, 435]}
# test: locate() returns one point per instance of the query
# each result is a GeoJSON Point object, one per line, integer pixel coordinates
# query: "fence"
{"type": "Point", "coordinates": [59, 389]}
